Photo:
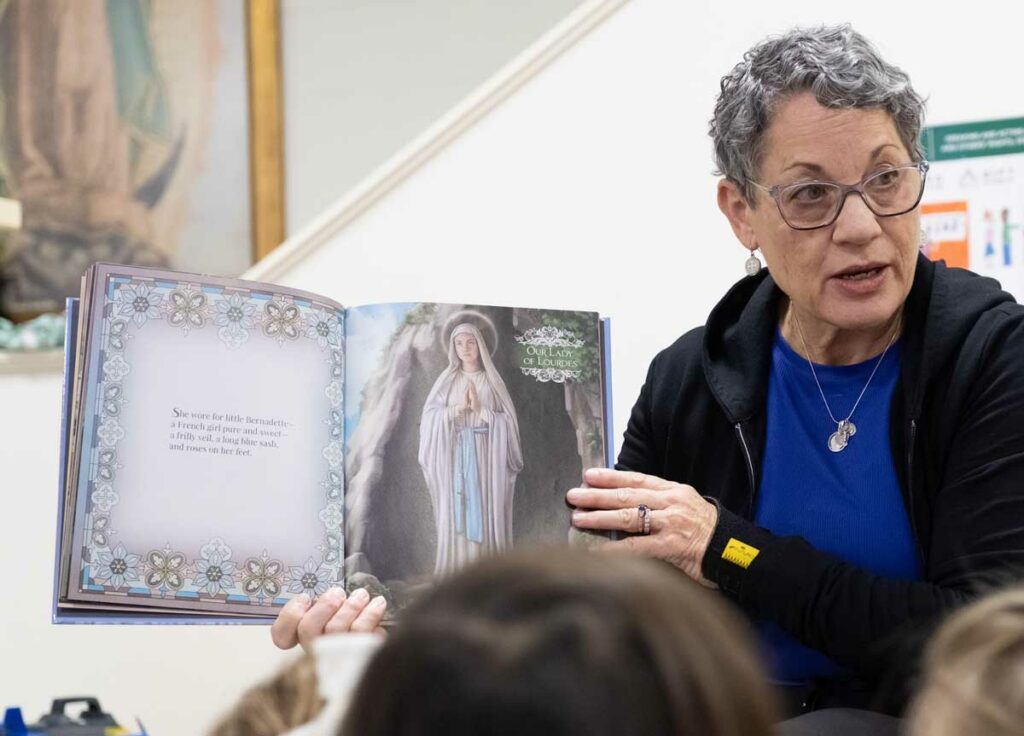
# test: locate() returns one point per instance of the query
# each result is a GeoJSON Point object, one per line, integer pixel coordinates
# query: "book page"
{"type": "Point", "coordinates": [465, 426]}
{"type": "Point", "coordinates": [212, 429]}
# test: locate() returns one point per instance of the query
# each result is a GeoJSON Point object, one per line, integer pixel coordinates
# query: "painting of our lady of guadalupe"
{"type": "Point", "coordinates": [124, 137]}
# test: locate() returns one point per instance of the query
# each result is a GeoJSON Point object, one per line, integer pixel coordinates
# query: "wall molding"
{"type": "Point", "coordinates": [434, 139]}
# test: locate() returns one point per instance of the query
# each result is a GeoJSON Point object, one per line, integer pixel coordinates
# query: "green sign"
{"type": "Point", "coordinates": [973, 140]}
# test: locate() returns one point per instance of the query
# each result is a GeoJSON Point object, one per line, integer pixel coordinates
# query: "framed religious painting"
{"type": "Point", "coordinates": [143, 132]}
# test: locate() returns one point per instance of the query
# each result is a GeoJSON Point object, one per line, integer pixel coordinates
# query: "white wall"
{"type": "Point", "coordinates": [363, 77]}
{"type": "Point", "coordinates": [590, 188]}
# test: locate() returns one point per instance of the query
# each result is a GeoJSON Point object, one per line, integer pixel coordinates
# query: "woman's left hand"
{"type": "Point", "coordinates": [682, 521]}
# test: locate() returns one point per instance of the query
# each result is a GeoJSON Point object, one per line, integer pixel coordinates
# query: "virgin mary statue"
{"type": "Point", "coordinates": [470, 451]}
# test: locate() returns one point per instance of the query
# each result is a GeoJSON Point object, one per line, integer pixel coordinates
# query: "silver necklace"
{"type": "Point", "coordinates": [845, 428]}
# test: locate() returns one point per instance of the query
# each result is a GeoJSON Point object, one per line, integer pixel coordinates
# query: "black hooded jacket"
{"type": "Point", "coordinates": [957, 438]}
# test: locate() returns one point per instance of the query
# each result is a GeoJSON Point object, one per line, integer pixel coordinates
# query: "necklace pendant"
{"type": "Point", "coordinates": [839, 439]}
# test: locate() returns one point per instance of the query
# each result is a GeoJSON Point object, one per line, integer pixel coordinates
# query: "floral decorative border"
{"type": "Point", "coordinates": [239, 316]}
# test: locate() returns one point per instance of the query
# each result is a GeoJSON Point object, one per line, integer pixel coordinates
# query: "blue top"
{"type": "Point", "coordinates": [846, 503]}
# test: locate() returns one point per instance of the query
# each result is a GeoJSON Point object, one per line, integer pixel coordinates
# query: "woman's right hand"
{"type": "Point", "coordinates": [302, 620]}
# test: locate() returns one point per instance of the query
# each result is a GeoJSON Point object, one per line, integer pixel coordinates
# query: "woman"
{"type": "Point", "coordinates": [840, 449]}
{"type": "Point", "coordinates": [470, 452]}
{"type": "Point", "coordinates": [557, 642]}
{"type": "Point", "coordinates": [974, 672]}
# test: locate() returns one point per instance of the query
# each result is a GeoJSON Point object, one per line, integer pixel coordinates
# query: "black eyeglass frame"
{"type": "Point", "coordinates": [844, 192]}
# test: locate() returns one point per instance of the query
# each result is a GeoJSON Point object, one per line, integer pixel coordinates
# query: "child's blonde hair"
{"type": "Point", "coordinates": [974, 672]}
{"type": "Point", "coordinates": [285, 701]}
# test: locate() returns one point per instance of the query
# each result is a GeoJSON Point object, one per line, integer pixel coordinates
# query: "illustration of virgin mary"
{"type": "Point", "coordinates": [469, 446]}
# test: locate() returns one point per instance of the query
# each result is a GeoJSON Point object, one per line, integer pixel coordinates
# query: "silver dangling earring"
{"type": "Point", "coordinates": [922, 240]}
{"type": "Point", "coordinates": [753, 264]}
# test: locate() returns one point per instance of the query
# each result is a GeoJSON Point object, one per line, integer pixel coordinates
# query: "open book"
{"type": "Point", "coordinates": [227, 445]}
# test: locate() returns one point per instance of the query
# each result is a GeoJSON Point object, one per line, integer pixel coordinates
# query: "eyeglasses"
{"type": "Point", "coordinates": [808, 205]}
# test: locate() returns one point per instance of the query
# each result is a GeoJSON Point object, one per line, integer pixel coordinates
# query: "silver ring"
{"type": "Point", "coordinates": [644, 512]}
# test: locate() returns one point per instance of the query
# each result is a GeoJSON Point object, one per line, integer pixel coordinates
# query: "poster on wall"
{"type": "Point", "coordinates": [125, 136]}
{"type": "Point", "coordinates": [972, 212]}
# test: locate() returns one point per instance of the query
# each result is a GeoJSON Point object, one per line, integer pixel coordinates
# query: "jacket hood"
{"type": "Point", "coordinates": [943, 306]}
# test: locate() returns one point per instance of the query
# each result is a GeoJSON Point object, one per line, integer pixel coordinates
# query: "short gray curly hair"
{"type": "Point", "coordinates": [836, 63]}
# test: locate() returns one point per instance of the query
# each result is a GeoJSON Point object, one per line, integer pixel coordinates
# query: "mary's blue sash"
{"type": "Point", "coordinates": [466, 486]}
